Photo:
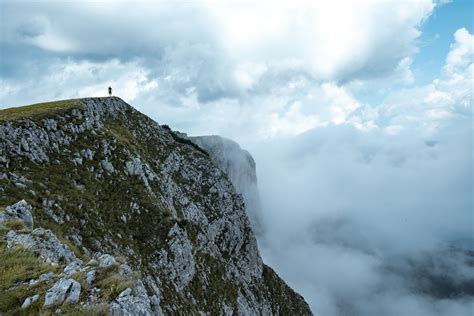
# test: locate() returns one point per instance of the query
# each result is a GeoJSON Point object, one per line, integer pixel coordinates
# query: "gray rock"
{"type": "Point", "coordinates": [107, 166]}
{"type": "Point", "coordinates": [20, 185]}
{"type": "Point", "coordinates": [19, 211]}
{"type": "Point", "coordinates": [106, 260]}
{"type": "Point", "coordinates": [126, 292]}
{"type": "Point", "coordinates": [125, 269]}
{"type": "Point", "coordinates": [77, 161]}
{"type": "Point", "coordinates": [64, 291]}
{"type": "Point", "coordinates": [73, 267]}
{"type": "Point", "coordinates": [178, 263]}
{"type": "Point", "coordinates": [30, 300]}
{"type": "Point", "coordinates": [134, 167]}
{"type": "Point", "coordinates": [50, 124]}
{"type": "Point", "coordinates": [132, 302]}
{"type": "Point", "coordinates": [53, 209]}
{"type": "Point", "coordinates": [87, 154]}
{"type": "Point", "coordinates": [90, 277]}
{"type": "Point", "coordinates": [44, 243]}
{"type": "Point", "coordinates": [44, 277]}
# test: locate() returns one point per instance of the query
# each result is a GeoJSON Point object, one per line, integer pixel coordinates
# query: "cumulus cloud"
{"type": "Point", "coordinates": [379, 221]}
{"type": "Point", "coordinates": [215, 49]}
{"type": "Point", "coordinates": [72, 79]}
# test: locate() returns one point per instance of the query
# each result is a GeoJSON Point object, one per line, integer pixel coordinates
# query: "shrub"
{"type": "Point", "coordinates": [166, 127]}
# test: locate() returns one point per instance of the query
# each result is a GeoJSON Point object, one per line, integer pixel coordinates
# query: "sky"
{"type": "Point", "coordinates": [358, 114]}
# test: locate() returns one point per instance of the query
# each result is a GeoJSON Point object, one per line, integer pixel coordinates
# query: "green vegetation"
{"type": "Point", "coordinates": [15, 224]}
{"type": "Point", "coordinates": [39, 109]}
{"type": "Point", "coordinates": [218, 289]}
{"type": "Point", "coordinates": [18, 266]}
{"type": "Point", "coordinates": [185, 141]}
{"type": "Point", "coordinates": [81, 310]}
{"type": "Point", "coordinates": [112, 283]}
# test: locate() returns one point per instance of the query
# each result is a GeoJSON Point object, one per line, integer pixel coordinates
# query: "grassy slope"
{"type": "Point", "coordinates": [39, 110]}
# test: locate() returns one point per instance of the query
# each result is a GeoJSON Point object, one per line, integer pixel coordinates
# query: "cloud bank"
{"type": "Point", "coordinates": [376, 219]}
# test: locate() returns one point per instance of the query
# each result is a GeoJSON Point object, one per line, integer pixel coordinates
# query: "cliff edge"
{"type": "Point", "coordinates": [103, 211]}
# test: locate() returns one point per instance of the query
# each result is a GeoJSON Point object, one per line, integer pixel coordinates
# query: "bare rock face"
{"type": "Point", "coordinates": [240, 167]}
{"type": "Point", "coordinates": [109, 180]}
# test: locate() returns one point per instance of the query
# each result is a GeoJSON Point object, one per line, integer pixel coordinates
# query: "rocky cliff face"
{"type": "Point", "coordinates": [105, 211]}
{"type": "Point", "coordinates": [240, 167]}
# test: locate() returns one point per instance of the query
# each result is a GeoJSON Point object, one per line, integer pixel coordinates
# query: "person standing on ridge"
{"type": "Point", "coordinates": [110, 91]}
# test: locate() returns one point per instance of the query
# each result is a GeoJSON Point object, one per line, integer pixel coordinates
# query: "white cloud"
{"type": "Point", "coordinates": [49, 38]}
{"type": "Point", "coordinates": [73, 79]}
{"type": "Point", "coordinates": [335, 40]}
{"type": "Point", "coordinates": [365, 213]}
{"type": "Point", "coordinates": [226, 49]}
{"type": "Point", "coordinates": [460, 55]}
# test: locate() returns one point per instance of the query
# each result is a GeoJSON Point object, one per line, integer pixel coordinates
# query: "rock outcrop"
{"type": "Point", "coordinates": [42, 242]}
{"type": "Point", "coordinates": [19, 211]}
{"type": "Point", "coordinates": [161, 227]}
{"type": "Point", "coordinates": [240, 167]}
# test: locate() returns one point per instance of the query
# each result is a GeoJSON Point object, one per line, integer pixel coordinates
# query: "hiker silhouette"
{"type": "Point", "coordinates": [110, 91]}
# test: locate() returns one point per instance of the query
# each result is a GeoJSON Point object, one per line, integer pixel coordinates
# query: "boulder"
{"type": "Point", "coordinates": [64, 291]}
{"type": "Point", "coordinates": [106, 260]}
{"type": "Point", "coordinates": [125, 269]}
{"type": "Point", "coordinates": [107, 166]}
{"type": "Point", "coordinates": [90, 277]}
{"type": "Point", "coordinates": [18, 211]}
{"type": "Point", "coordinates": [73, 267]}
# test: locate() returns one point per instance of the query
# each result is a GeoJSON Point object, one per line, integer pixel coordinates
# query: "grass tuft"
{"type": "Point", "coordinates": [15, 224]}
{"type": "Point", "coordinates": [38, 109]}
{"type": "Point", "coordinates": [112, 283]}
{"type": "Point", "coordinates": [19, 265]}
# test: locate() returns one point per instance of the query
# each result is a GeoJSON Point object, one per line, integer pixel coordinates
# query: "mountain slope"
{"type": "Point", "coordinates": [106, 179]}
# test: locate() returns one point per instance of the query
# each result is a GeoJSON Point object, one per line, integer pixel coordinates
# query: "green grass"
{"type": "Point", "coordinates": [15, 224]}
{"type": "Point", "coordinates": [112, 283]}
{"type": "Point", "coordinates": [80, 310]}
{"type": "Point", "coordinates": [19, 265]}
{"type": "Point", "coordinates": [39, 109]}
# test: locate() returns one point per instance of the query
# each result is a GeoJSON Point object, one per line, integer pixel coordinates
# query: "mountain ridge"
{"type": "Point", "coordinates": [107, 180]}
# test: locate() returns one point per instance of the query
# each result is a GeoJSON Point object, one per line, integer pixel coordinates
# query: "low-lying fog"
{"type": "Point", "coordinates": [371, 224]}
